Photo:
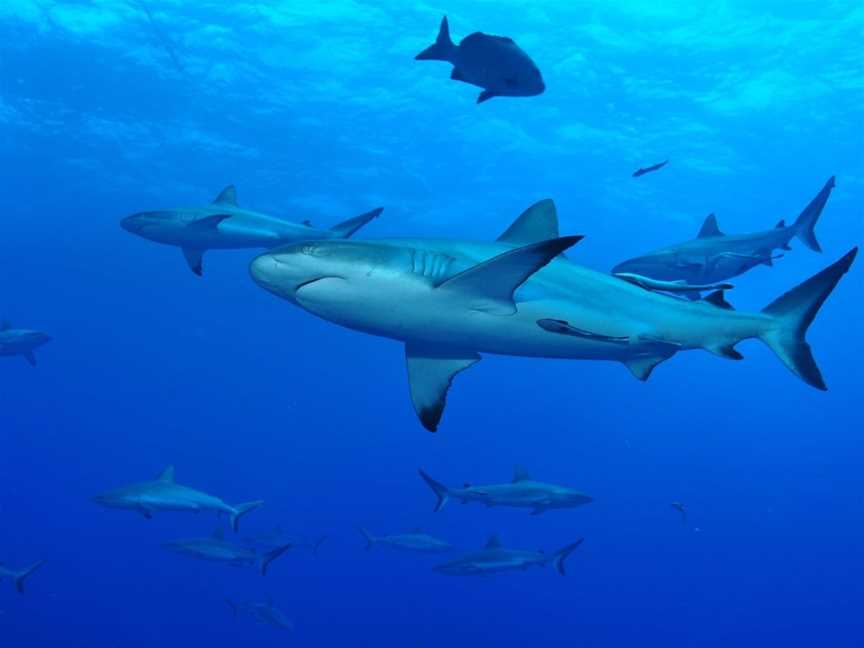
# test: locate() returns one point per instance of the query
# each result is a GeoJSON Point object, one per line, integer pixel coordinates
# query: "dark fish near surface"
{"type": "Point", "coordinates": [654, 167]}
{"type": "Point", "coordinates": [494, 63]}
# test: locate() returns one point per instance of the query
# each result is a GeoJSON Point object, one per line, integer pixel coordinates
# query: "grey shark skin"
{"type": "Point", "coordinates": [522, 492]}
{"type": "Point", "coordinates": [263, 613]}
{"type": "Point", "coordinates": [416, 541]}
{"type": "Point", "coordinates": [224, 225]}
{"type": "Point", "coordinates": [21, 342]}
{"type": "Point", "coordinates": [20, 576]}
{"type": "Point", "coordinates": [165, 494]}
{"type": "Point", "coordinates": [450, 300]}
{"type": "Point", "coordinates": [217, 549]}
{"type": "Point", "coordinates": [714, 257]}
{"type": "Point", "coordinates": [494, 558]}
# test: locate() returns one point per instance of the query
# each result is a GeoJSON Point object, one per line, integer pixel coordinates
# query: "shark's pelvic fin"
{"type": "Point", "coordinates": [805, 224]}
{"type": "Point", "coordinates": [537, 223]}
{"type": "Point", "coordinates": [228, 196]}
{"type": "Point", "coordinates": [431, 369]}
{"type": "Point", "coordinates": [710, 228]}
{"type": "Point", "coordinates": [520, 474]}
{"type": "Point", "coordinates": [494, 542]}
{"type": "Point", "coordinates": [489, 286]}
{"type": "Point", "coordinates": [194, 259]}
{"type": "Point", "coordinates": [167, 475]}
{"type": "Point", "coordinates": [347, 228]}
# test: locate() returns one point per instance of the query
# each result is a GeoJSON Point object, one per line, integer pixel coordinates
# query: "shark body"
{"type": "Point", "coordinates": [495, 558]}
{"type": "Point", "coordinates": [217, 549]}
{"type": "Point", "coordinates": [21, 342]}
{"type": "Point", "coordinates": [416, 541]}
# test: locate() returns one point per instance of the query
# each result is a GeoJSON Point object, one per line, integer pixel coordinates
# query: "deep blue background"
{"type": "Point", "coordinates": [318, 111]}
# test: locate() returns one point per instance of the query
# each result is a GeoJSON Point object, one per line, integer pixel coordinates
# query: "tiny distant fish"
{"type": "Point", "coordinates": [494, 63]}
{"type": "Point", "coordinates": [650, 169]}
{"type": "Point", "coordinates": [678, 506]}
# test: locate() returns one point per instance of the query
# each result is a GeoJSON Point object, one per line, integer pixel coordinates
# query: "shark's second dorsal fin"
{"type": "Point", "coordinates": [520, 474]}
{"type": "Point", "coordinates": [494, 542]}
{"type": "Point", "coordinates": [228, 196]}
{"type": "Point", "coordinates": [717, 298]}
{"type": "Point", "coordinates": [489, 286]}
{"type": "Point", "coordinates": [218, 533]}
{"type": "Point", "coordinates": [710, 228]}
{"type": "Point", "coordinates": [167, 475]}
{"type": "Point", "coordinates": [537, 223]}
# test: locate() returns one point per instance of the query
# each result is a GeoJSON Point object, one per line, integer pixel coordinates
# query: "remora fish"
{"type": "Point", "coordinates": [165, 494]}
{"type": "Point", "coordinates": [494, 558]}
{"type": "Point", "coordinates": [14, 342]}
{"type": "Point", "coordinates": [522, 492]}
{"type": "Point", "coordinates": [217, 549]}
{"type": "Point", "coordinates": [264, 613]}
{"type": "Point", "coordinates": [449, 300]}
{"type": "Point", "coordinates": [713, 256]}
{"type": "Point", "coordinates": [19, 577]}
{"type": "Point", "coordinates": [494, 63]}
{"type": "Point", "coordinates": [224, 225]}
{"type": "Point", "coordinates": [417, 541]}
{"type": "Point", "coordinates": [679, 286]}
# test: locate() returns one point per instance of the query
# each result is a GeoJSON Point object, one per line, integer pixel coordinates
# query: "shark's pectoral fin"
{"type": "Point", "coordinates": [146, 512]}
{"type": "Point", "coordinates": [208, 222]}
{"type": "Point", "coordinates": [30, 357]}
{"type": "Point", "coordinates": [194, 259]}
{"type": "Point", "coordinates": [431, 369]}
{"type": "Point", "coordinates": [642, 366]}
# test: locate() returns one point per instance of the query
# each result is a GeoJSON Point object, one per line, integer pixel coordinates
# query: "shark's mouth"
{"type": "Point", "coordinates": [309, 282]}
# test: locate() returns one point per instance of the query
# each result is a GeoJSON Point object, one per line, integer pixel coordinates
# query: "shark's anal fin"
{"type": "Point", "coordinates": [194, 259]}
{"type": "Point", "coordinates": [431, 369]}
{"type": "Point", "coordinates": [228, 196]}
{"type": "Point", "coordinates": [537, 223]}
{"type": "Point", "coordinates": [710, 228]}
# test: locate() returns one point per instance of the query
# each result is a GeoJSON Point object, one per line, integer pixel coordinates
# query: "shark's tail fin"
{"type": "Point", "coordinates": [438, 488]}
{"type": "Point", "coordinates": [316, 544]}
{"type": "Point", "coordinates": [562, 554]}
{"type": "Point", "coordinates": [794, 312]}
{"type": "Point", "coordinates": [240, 510]}
{"type": "Point", "coordinates": [346, 229]}
{"type": "Point", "coordinates": [805, 223]}
{"type": "Point", "coordinates": [270, 556]}
{"type": "Point", "coordinates": [24, 574]}
{"type": "Point", "coordinates": [442, 49]}
{"type": "Point", "coordinates": [233, 606]}
{"type": "Point", "coordinates": [370, 539]}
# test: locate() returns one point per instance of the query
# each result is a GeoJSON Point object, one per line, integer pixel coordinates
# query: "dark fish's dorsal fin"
{"type": "Point", "coordinates": [417, 530]}
{"type": "Point", "coordinates": [710, 228]}
{"type": "Point", "coordinates": [167, 475]}
{"type": "Point", "coordinates": [718, 298]}
{"type": "Point", "coordinates": [537, 223]}
{"type": "Point", "coordinates": [218, 533]}
{"type": "Point", "coordinates": [781, 224]}
{"type": "Point", "coordinates": [5, 325]}
{"type": "Point", "coordinates": [520, 474]}
{"type": "Point", "coordinates": [228, 196]}
{"type": "Point", "coordinates": [494, 542]}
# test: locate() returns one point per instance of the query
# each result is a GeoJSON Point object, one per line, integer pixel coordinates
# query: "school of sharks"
{"type": "Point", "coordinates": [449, 301]}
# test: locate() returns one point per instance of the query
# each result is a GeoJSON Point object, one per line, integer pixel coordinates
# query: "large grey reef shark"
{"type": "Point", "coordinates": [19, 576]}
{"type": "Point", "coordinates": [224, 225]}
{"type": "Point", "coordinates": [522, 492]}
{"type": "Point", "coordinates": [217, 549]}
{"type": "Point", "coordinates": [495, 558]}
{"type": "Point", "coordinates": [449, 300]}
{"type": "Point", "coordinates": [417, 541]}
{"type": "Point", "coordinates": [165, 494]}
{"type": "Point", "coordinates": [714, 256]}
{"type": "Point", "coordinates": [21, 342]}
{"type": "Point", "coordinates": [265, 613]}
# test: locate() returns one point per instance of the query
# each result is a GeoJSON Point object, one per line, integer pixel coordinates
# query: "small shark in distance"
{"type": "Point", "coordinates": [217, 549]}
{"type": "Point", "coordinates": [416, 541]}
{"type": "Point", "coordinates": [263, 613]}
{"type": "Point", "coordinates": [278, 538]}
{"type": "Point", "coordinates": [494, 558]}
{"type": "Point", "coordinates": [650, 169]}
{"type": "Point", "coordinates": [15, 342]}
{"type": "Point", "coordinates": [521, 492]}
{"type": "Point", "coordinates": [165, 494]}
{"type": "Point", "coordinates": [715, 257]}
{"type": "Point", "coordinates": [19, 577]}
{"type": "Point", "coordinates": [224, 225]}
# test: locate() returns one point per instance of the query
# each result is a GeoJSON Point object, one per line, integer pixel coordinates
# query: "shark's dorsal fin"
{"type": "Point", "coordinates": [717, 298]}
{"type": "Point", "coordinates": [781, 224]}
{"type": "Point", "coordinates": [489, 286]}
{"type": "Point", "coordinates": [537, 223]}
{"type": "Point", "coordinates": [494, 542]}
{"type": "Point", "coordinates": [520, 474]}
{"type": "Point", "coordinates": [5, 325]}
{"type": "Point", "coordinates": [710, 228]}
{"type": "Point", "coordinates": [167, 475]}
{"type": "Point", "coordinates": [431, 369]}
{"type": "Point", "coordinates": [218, 533]}
{"type": "Point", "coordinates": [228, 196]}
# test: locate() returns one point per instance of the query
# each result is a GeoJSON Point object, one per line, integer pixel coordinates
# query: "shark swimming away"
{"type": "Point", "coordinates": [522, 492]}
{"type": "Point", "coordinates": [450, 300]}
{"type": "Point", "coordinates": [21, 342]}
{"type": "Point", "coordinates": [494, 558]}
{"type": "Point", "coordinates": [19, 577]}
{"type": "Point", "coordinates": [715, 257]}
{"type": "Point", "coordinates": [165, 494]}
{"type": "Point", "coordinates": [416, 541]}
{"type": "Point", "coordinates": [224, 225]}
{"type": "Point", "coordinates": [217, 549]}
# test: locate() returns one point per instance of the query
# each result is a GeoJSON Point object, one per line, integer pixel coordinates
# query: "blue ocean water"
{"type": "Point", "coordinates": [318, 111]}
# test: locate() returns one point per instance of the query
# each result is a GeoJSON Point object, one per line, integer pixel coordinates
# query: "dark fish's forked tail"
{"type": "Point", "coordinates": [805, 224]}
{"type": "Point", "coordinates": [443, 48]}
{"type": "Point", "coordinates": [242, 509]}
{"type": "Point", "coordinates": [24, 574]}
{"type": "Point", "coordinates": [440, 490]}
{"type": "Point", "coordinates": [370, 539]}
{"type": "Point", "coordinates": [347, 228]}
{"type": "Point", "coordinates": [793, 314]}
{"type": "Point", "coordinates": [270, 556]}
{"type": "Point", "coordinates": [562, 554]}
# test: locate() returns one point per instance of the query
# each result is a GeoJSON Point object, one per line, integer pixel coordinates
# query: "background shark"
{"type": "Point", "coordinates": [417, 541]}
{"type": "Point", "coordinates": [14, 342]}
{"type": "Point", "coordinates": [217, 549]}
{"type": "Point", "coordinates": [19, 577]}
{"type": "Point", "coordinates": [264, 613]}
{"type": "Point", "coordinates": [713, 256]}
{"type": "Point", "coordinates": [522, 492]}
{"type": "Point", "coordinates": [278, 538]}
{"type": "Point", "coordinates": [494, 558]}
{"type": "Point", "coordinates": [449, 300]}
{"type": "Point", "coordinates": [165, 494]}
{"type": "Point", "coordinates": [224, 225]}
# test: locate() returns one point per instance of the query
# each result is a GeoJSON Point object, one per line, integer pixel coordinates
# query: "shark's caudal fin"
{"type": "Point", "coordinates": [443, 48]}
{"type": "Point", "coordinates": [562, 554]}
{"type": "Point", "coordinates": [24, 574]}
{"type": "Point", "coordinates": [368, 537]}
{"type": "Point", "coordinates": [794, 312]}
{"type": "Point", "coordinates": [270, 556]}
{"type": "Point", "coordinates": [347, 228]}
{"type": "Point", "coordinates": [440, 490]}
{"type": "Point", "coordinates": [242, 509]}
{"type": "Point", "coordinates": [805, 224]}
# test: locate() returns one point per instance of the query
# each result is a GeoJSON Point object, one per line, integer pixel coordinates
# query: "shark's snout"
{"type": "Point", "coordinates": [265, 271]}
